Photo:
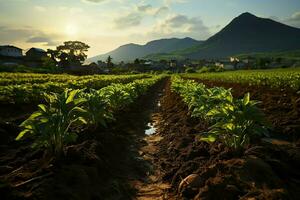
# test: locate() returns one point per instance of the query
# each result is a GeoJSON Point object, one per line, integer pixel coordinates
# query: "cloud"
{"type": "Point", "coordinates": [295, 17]}
{"type": "Point", "coordinates": [161, 10]}
{"type": "Point", "coordinates": [40, 8]}
{"type": "Point", "coordinates": [127, 21]}
{"type": "Point", "coordinates": [46, 40]}
{"type": "Point", "coordinates": [169, 2]}
{"type": "Point", "coordinates": [144, 8]}
{"type": "Point", "coordinates": [136, 14]}
{"type": "Point", "coordinates": [152, 11]}
{"type": "Point", "coordinates": [294, 20]}
{"type": "Point", "coordinates": [93, 1]}
{"type": "Point", "coordinates": [12, 34]}
{"type": "Point", "coordinates": [71, 10]}
{"type": "Point", "coordinates": [27, 34]}
{"type": "Point", "coordinates": [180, 26]}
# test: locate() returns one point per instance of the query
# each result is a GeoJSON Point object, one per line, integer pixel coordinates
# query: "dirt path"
{"type": "Point", "coordinates": [152, 187]}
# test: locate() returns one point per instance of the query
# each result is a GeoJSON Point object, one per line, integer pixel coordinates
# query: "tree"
{"type": "Point", "coordinates": [109, 61]}
{"type": "Point", "coordinates": [70, 53]}
{"type": "Point", "coordinates": [279, 60]}
{"type": "Point", "coordinates": [137, 62]}
{"type": "Point", "coordinates": [50, 64]}
{"type": "Point", "coordinates": [52, 54]}
{"type": "Point", "coordinates": [263, 62]}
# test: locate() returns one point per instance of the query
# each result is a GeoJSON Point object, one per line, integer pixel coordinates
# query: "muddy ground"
{"type": "Point", "coordinates": [121, 162]}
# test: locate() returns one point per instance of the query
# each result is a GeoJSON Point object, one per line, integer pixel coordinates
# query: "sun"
{"type": "Point", "coordinates": [71, 30]}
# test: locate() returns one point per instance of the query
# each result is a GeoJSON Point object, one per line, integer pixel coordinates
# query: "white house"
{"type": "Point", "coordinates": [225, 65]}
{"type": "Point", "coordinates": [10, 51]}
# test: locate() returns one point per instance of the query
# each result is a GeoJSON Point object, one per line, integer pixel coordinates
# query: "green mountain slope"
{"type": "Point", "coordinates": [129, 52]}
{"type": "Point", "coordinates": [244, 34]}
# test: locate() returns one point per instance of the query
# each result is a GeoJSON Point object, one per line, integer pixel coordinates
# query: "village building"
{"type": "Point", "coordinates": [35, 54]}
{"type": "Point", "coordinates": [10, 51]}
{"type": "Point", "coordinates": [101, 64]}
{"type": "Point", "coordinates": [225, 64]}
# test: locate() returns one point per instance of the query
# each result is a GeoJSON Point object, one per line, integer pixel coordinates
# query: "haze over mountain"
{"type": "Point", "coordinates": [246, 33]}
{"type": "Point", "coordinates": [129, 52]}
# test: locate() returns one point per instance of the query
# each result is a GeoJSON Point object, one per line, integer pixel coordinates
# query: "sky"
{"type": "Point", "coordinates": [106, 24]}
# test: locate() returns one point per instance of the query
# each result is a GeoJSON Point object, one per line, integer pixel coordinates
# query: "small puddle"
{"type": "Point", "coordinates": [158, 104]}
{"type": "Point", "coordinates": [151, 130]}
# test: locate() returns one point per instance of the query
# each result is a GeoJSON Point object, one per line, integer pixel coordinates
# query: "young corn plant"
{"type": "Point", "coordinates": [97, 108]}
{"type": "Point", "coordinates": [117, 96]}
{"type": "Point", "coordinates": [233, 121]}
{"type": "Point", "coordinates": [236, 122]}
{"type": "Point", "coordinates": [51, 124]}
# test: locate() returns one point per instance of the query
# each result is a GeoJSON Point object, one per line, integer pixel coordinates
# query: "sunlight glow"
{"type": "Point", "coordinates": [71, 30]}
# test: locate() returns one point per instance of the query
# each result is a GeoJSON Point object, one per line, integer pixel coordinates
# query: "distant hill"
{"type": "Point", "coordinates": [130, 52]}
{"type": "Point", "coordinates": [246, 33]}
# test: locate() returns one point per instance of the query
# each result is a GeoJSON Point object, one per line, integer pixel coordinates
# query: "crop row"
{"type": "Point", "coordinates": [29, 78]}
{"type": "Point", "coordinates": [275, 78]}
{"type": "Point", "coordinates": [64, 115]}
{"type": "Point", "coordinates": [232, 121]}
{"type": "Point", "coordinates": [33, 92]}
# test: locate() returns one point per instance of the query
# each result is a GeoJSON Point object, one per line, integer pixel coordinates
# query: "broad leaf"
{"type": "Point", "coordinates": [209, 139]}
{"type": "Point", "coordinates": [22, 133]}
{"type": "Point", "coordinates": [246, 98]}
{"type": "Point", "coordinates": [71, 96]}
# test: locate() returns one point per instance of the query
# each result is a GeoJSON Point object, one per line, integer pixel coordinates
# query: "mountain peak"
{"type": "Point", "coordinates": [248, 33]}
{"type": "Point", "coordinates": [246, 14]}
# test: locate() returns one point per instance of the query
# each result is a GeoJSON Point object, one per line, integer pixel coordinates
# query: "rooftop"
{"type": "Point", "coordinates": [9, 46]}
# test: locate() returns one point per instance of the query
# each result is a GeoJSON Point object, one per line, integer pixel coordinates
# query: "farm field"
{"type": "Point", "coordinates": [275, 78]}
{"type": "Point", "coordinates": [21, 92]}
{"type": "Point", "coordinates": [186, 136]}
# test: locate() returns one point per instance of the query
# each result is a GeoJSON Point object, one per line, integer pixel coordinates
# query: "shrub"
{"type": "Point", "coordinates": [190, 70]}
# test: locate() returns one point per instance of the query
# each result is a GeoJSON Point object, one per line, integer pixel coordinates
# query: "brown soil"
{"type": "Point", "coordinates": [198, 170]}
{"type": "Point", "coordinates": [151, 187]}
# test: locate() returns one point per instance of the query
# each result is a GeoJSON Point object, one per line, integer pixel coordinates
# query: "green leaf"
{"type": "Point", "coordinates": [212, 112]}
{"type": "Point", "coordinates": [35, 115]}
{"type": "Point", "coordinates": [71, 96]}
{"type": "Point", "coordinates": [79, 110]}
{"type": "Point", "coordinates": [82, 120]}
{"type": "Point", "coordinates": [42, 107]}
{"type": "Point", "coordinates": [21, 134]}
{"type": "Point", "coordinates": [246, 98]}
{"type": "Point", "coordinates": [79, 101]}
{"type": "Point", "coordinates": [228, 126]}
{"type": "Point", "coordinates": [209, 139]}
